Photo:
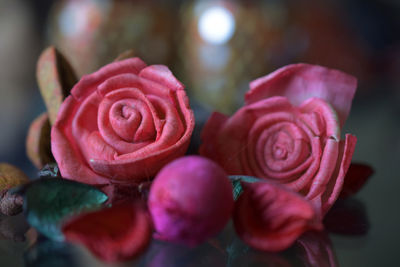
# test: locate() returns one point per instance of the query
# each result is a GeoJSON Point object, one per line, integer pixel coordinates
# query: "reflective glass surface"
{"type": "Point", "coordinates": [216, 48]}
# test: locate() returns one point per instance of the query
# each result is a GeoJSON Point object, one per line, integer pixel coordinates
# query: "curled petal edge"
{"type": "Point", "coordinates": [299, 82]}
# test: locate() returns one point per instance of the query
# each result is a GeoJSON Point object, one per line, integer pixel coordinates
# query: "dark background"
{"type": "Point", "coordinates": [361, 37]}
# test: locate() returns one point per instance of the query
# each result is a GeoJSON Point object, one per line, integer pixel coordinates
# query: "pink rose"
{"type": "Point", "coordinates": [122, 124]}
{"type": "Point", "coordinates": [289, 132]}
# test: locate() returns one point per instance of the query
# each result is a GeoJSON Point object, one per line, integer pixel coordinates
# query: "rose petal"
{"type": "Point", "coordinates": [318, 106]}
{"type": "Point", "coordinates": [147, 165]}
{"type": "Point", "coordinates": [65, 152]}
{"type": "Point", "coordinates": [231, 137]}
{"type": "Point", "coordinates": [333, 189]}
{"type": "Point", "coordinates": [326, 168]}
{"type": "Point", "coordinates": [301, 183]}
{"type": "Point", "coordinates": [161, 74]}
{"type": "Point", "coordinates": [270, 217]}
{"type": "Point", "coordinates": [299, 82]}
{"type": "Point", "coordinates": [149, 119]}
{"type": "Point", "coordinates": [91, 81]}
{"type": "Point", "coordinates": [129, 80]}
{"type": "Point", "coordinates": [114, 234]}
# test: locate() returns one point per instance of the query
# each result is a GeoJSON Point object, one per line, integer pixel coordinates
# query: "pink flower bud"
{"type": "Point", "coordinates": [190, 200]}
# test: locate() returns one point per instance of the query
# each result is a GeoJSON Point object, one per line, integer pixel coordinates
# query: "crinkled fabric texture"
{"type": "Point", "coordinates": [270, 217]}
{"type": "Point", "coordinates": [122, 124]}
{"type": "Point", "coordinates": [289, 132]}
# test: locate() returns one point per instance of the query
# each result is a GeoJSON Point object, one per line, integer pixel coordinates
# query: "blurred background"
{"type": "Point", "coordinates": [215, 48]}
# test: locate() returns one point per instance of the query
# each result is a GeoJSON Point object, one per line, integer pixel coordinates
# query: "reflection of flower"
{"type": "Point", "coordinates": [122, 123]}
{"type": "Point", "coordinates": [315, 249]}
{"type": "Point", "coordinates": [289, 132]}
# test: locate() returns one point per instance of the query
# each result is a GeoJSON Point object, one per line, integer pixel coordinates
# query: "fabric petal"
{"type": "Point", "coordinates": [162, 75]}
{"type": "Point", "coordinates": [335, 185]}
{"type": "Point", "coordinates": [270, 217]}
{"type": "Point", "coordinates": [299, 82]}
{"type": "Point", "coordinates": [145, 165]}
{"type": "Point", "coordinates": [66, 151]}
{"type": "Point", "coordinates": [89, 83]}
{"type": "Point", "coordinates": [113, 234]}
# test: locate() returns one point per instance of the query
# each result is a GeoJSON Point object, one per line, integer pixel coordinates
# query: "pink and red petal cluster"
{"type": "Point", "coordinates": [122, 124]}
{"type": "Point", "coordinates": [289, 132]}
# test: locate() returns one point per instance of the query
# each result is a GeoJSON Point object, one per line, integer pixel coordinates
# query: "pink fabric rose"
{"type": "Point", "coordinates": [122, 124]}
{"type": "Point", "coordinates": [289, 132]}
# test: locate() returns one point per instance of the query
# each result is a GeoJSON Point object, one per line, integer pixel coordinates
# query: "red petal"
{"type": "Point", "coordinates": [357, 175]}
{"type": "Point", "coordinates": [270, 217]}
{"type": "Point", "coordinates": [113, 234]}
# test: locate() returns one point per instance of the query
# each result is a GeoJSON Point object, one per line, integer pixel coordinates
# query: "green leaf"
{"type": "Point", "coordinates": [236, 183]}
{"type": "Point", "coordinates": [49, 202]}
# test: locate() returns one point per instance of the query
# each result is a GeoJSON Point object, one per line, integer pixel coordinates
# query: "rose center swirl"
{"type": "Point", "coordinates": [131, 120]}
{"type": "Point", "coordinates": [283, 147]}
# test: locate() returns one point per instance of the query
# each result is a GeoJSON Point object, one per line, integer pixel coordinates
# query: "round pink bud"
{"type": "Point", "coordinates": [190, 200]}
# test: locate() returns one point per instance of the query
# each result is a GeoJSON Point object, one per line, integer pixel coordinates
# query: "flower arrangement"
{"type": "Point", "coordinates": [111, 152]}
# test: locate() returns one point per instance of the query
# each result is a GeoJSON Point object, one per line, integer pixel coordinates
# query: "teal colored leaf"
{"type": "Point", "coordinates": [49, 202]}
{"type": "Point", "coordinates": [236, 183]}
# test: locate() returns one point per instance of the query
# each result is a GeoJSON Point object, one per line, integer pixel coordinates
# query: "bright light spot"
{"type": "Point", "coordinates": [74, 19]}
{"type": "Point", "coordinates": [216, 25]}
